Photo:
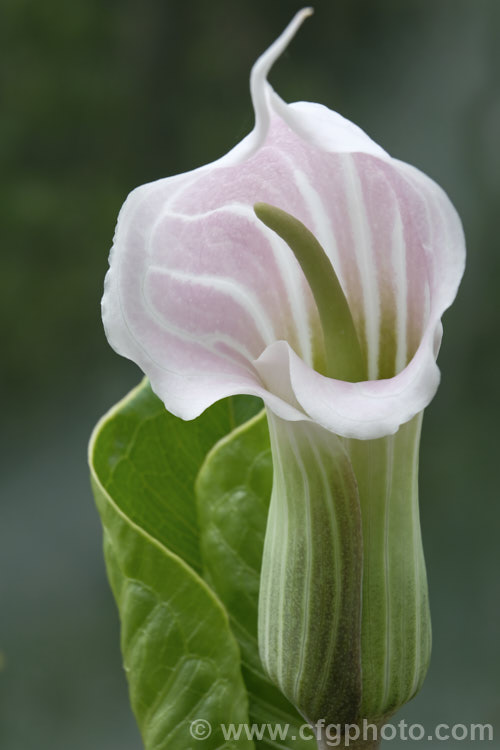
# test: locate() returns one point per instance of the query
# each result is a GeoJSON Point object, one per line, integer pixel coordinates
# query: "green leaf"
{"type": "Point", "coordinates": [233, 491]}
{"type": "Point", "coordinates": [148, 460]}
{"type": "Point", "coordinates": [181, 658]}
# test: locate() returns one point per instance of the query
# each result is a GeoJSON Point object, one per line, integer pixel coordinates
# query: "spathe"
{"type": "Point", "coordinates": [209, 303]}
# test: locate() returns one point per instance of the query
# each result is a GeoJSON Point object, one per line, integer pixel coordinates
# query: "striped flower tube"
{"type": "Point", "coordinates": [311, 269]}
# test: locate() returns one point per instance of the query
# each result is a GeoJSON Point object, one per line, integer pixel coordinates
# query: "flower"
{"type": "Point", "coordinates": [310, 268]}
{"type": "Point", "coordinates": [209, 303]}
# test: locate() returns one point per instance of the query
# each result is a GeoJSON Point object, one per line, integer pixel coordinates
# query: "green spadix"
{"type": "Point", "coordinates": [344, 358]}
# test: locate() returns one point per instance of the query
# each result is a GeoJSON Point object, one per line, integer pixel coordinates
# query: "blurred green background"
{"type": "Point", "coordinates": [98, 97]}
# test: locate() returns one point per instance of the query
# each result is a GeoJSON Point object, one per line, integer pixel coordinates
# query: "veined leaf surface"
{"type": "Point", "coordinates": [181, 658]}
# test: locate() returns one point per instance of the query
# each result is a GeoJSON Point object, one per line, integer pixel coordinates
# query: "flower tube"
{"type": "Point", "coordinates": [214, 289]}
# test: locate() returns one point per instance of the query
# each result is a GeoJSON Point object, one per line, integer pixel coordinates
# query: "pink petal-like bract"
{"type": "Point", "coordinates": [209, 302]}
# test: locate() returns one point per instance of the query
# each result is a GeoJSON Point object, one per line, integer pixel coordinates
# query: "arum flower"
{"type": "Point", "coordinates": [325, 300]}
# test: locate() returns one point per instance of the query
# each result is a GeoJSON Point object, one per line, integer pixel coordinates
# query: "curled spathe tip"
{"type": "Point", "coordinates": [258, 77]}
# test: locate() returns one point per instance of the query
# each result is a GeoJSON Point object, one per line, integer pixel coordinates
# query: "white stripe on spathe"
{"type": "Point", "coordinates": [239, 294]}
{"type": "Point", "coordinates": [330, 517]}
{"type": "Point", "coordinates": [362, 242]}
{"type": "Point", "coordinates": [308, 572]}
{"type": "Point", "coordinates": [400, 285]}
{"type": "Point", "coordinates": [208, 341]}
{"type": "Point", "coordinates": [288, 269]}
